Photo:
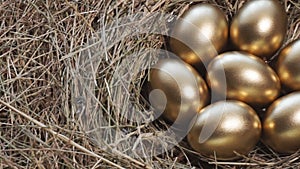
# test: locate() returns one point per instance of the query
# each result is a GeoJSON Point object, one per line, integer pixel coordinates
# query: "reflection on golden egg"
{"type": "Point", "coordinates": [288, 68]}
{"type": "Point", "coordinates": [178, 90]}
{"type": "Point", "coordinates": [259, 27]}
{"type": "Point", "coordinates": [247, 78]}
{"type": "Point", "coordinates": [282, 123]}
{"type": "Point", "coordinates": [225, 128]}
{"type": "Point", "coordinates": [199, 34]}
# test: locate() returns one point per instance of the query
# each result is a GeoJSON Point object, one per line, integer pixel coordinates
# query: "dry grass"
{"type": "Point", "coordinates": [61, 108]}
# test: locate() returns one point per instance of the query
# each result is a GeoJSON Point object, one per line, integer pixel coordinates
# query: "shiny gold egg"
{"type": "Point", "coordinates": [259, 27]}
{"type": "Point", "coordinates": [281, 126]}
{"type": "Point", "coordinates": [288, 68]}
{"type": "Point", "coordinates": [225, 128]}
{"type": "Point", "coordinates": [177, 90]}
{"type": "Point", "coordinates": [247, 78]}
{"type": "Point", "coordinates": [199, 34]}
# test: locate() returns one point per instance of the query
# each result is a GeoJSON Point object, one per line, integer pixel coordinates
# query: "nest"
{"type": "Point", "coordinates": [72, 81]}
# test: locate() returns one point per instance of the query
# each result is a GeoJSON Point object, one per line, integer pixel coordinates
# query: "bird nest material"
{"type": "Point", "coordinates": [71, 86]}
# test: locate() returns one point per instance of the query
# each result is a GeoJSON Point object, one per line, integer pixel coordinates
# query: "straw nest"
{"type": "Point", "coordinates": [71, 77]}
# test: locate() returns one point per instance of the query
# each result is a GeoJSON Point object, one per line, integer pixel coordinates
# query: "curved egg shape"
{"type": "Point", "coordinates": [288, 68]}
{"type": "Point", "coordinates": [178, 90]}
{"type": "Point", "coordinates": [282, 123]}
{"type": "Point", "coordinates": [223, 128]}
{"type": "Point", "coordinates": [259, 27]}
{"type": "Point", "coordinates": [247, 78]}
{"type": "Point", "coordinates": [199, 34]}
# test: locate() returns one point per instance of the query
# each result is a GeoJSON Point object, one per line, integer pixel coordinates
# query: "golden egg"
{"type": "Point", "coordinates": [247, 78]}
{"type": "Point", "coordinates": [259, 27]}
{"type": "Point", "coordinates": [288, 68]}
{"type": "Point", "coordinates": [281, 126]}
{"type": "Point", "coordinates": [225, 128]}
{"type": "Point", "coordinates": [177, 90]}
{"type": "Point", "coordinates": [199, 34]}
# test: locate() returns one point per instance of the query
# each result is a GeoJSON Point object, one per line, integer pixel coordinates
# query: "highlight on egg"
{"type": "Point", "coordinates": [282, 123]}
{"type": "Point", "coordinates": [178, 91]}
{"type": "Point", "coordinates": [288, 68]}
{"type": "Point", "coordinates": [259, 27]}
{"type": "Point", "coordinates": [199, 34]}
{"type": "Point", "coordinates": [247, 78]}
{"type": "Point", "coordinates": [224, 129]}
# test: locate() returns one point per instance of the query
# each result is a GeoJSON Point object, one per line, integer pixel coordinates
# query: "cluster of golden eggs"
{"type": "Point", "coordinates": [244, 77]}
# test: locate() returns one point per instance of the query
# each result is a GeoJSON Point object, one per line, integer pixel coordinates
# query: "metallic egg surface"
{"type": "Point", "coordinates": [281, 126]}
{"type": "Point", "coordinates": [288, 68]}
{"type": "Point", "coordinates": [199, 34]}
{"type": "Point", "coordinates": [180, 90]}
{"type": "Point", "coordinates": [238, 130]}
{"type": "Point", "coordinates": [259, 27]}
{"type": "Point", "coordinates": [247, 78]}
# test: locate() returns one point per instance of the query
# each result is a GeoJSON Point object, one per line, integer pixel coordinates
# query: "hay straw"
{"type": "Point", "coordinates": [58, 101]}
